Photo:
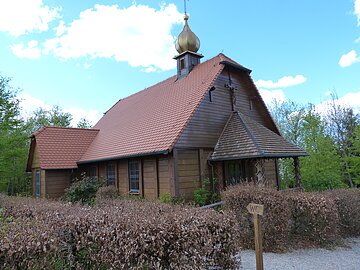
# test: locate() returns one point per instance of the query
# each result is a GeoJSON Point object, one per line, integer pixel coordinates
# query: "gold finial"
{"type": "Point", "coordinates": [187, 40]}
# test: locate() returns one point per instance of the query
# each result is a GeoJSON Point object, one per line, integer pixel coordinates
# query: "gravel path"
{"type": "Point", "coordinates": [341, 258]}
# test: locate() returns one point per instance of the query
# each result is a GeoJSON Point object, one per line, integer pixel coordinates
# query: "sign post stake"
{"type": "Point", "coordinates": [257, 210]}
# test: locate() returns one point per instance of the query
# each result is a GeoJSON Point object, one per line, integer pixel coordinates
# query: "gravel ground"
{"type": "Point", "coordinates": [341, 258]}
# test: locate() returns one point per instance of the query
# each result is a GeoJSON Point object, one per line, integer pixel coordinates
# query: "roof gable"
{"type": "Point", "coordinates": [244, 138]}
{"type": "Point", "coordinates": [152, 120]}
{"type": "Point", "coordinates": [60, 147]}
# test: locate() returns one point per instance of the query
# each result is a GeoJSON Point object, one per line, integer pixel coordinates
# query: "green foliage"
{"type": "Point", "coordinates": [165, 198]}
{"type": "Point", "coordinates": [83, 123]}
{"type": "Point", "coordinates": [53, 117]}
{"type": "Point", "coordinates": [83, 190]}
{"type": "Point", "coordinates": [353, 160]}
{"type": "Point", "coordinates": [13, 135]}
{"type": "Point", "coordinates": [207, 194]}
{"type": "Point", "coordinates": [328, 138]}
{"type": "Point", "coordinates": [322, 169]}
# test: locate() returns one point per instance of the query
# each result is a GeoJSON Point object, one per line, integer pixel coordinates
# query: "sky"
{"type": "Point", "coordinates": [86, 55]}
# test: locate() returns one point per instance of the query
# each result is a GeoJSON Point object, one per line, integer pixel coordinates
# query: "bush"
{"type": "Point", "coordinates": [165, 198]}
{"type": "Point", "coordinates": [208, 193]}
{"type": "Point", "coordinates": [313, 218]}
{"type": "Point", "coordinates": [119, 234]}
{"type": "Point", "coordinates": [83, 190]}
{"type": "Point", "coordinates": [348, 204]}
{"type": "Point", "coordinates": [275, 221]}
{"type": "Point", "coordinates": [106, 193]}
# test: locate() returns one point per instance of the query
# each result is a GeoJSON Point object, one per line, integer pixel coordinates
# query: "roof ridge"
{"type": "Point", "coordinates": [60, 127]}
{"type": "Point", "coordinates": [248, 131]}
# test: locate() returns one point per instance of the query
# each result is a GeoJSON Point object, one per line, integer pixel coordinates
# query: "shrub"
{"type": "Point", "coordinates": [348, 204]}
{"type": "Point", "coordinates": [275, 221]}
{"type": "Point", "coordinates": [106, 193]}
{"type": "Point", "coordinates": [314, 218]}
{"type": "Point", "coordinates": [165, 198]}
{"type": "Point", "coordinates": [119, 234]}
{"type": "Point", "coordinates": [208, 193]}
{"type": "Point", "coordinates": [83, 190]}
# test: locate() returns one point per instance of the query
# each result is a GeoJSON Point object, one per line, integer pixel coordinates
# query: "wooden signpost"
{"type": "Point", "coordinates": [257, 210]}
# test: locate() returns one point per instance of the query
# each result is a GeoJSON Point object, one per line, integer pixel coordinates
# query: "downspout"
{"type": "Point", "coordinates": [212, 175]}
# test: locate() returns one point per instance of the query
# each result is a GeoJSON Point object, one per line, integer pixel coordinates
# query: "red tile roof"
{"type": "Point", "coordinates": [152, 120]}
{"type": "Point", "coordinates": [61, 148]}
{"type": "Point", "coordinates": [245, 138]}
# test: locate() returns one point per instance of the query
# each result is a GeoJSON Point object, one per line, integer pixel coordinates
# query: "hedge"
{"type": "Point", "coordinates": [119, 234]}
{"type": "Point", "coordinates": [275, 225]}
{"type": "Point", "coordinates": [348, 205]}
{"type": "Point", "coordinates": [295, 218]}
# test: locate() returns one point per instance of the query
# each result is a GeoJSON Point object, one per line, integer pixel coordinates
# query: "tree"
{"type": "Point", "coordinates": [321, 170]}
{"type": "Point", "coordinates": [53, 117]}
{"type": "Point", "coordinates": [289, 118]}
{"type": "Point", "coordinates": [84, 123]}
{"type": "Point", "coordinates": [13, 136]}
{"type": "Point", "coordinates": [341, 126]}
{"type": "Point", "coordinates": [353, 161]}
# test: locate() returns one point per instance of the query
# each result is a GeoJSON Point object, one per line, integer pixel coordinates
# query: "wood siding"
{"type": "Point", "coordinates": [56, 182]}
{"type": "Point", "coordinates": [208, 121]}
{"type": "Point", "coordinates": [164, 175]}
{"type": "Point", "coordinates": [188, 172]}
{"type": "Point", "coordinates": [270, 172]}
{"type": "Point", "coordinates": [150, 178]}
{"type": "Point", "coordinates": [123, 177]}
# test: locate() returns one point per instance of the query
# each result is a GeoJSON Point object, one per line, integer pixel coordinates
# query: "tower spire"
{"type": "Point", "coordinates": [187, 45]}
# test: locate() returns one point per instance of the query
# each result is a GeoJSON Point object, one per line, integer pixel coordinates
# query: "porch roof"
{"type": "Point", "coordinates": [244, 138]}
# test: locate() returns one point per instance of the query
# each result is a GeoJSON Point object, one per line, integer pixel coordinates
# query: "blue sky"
{"type": "Point", "coordinates": [85, 55]}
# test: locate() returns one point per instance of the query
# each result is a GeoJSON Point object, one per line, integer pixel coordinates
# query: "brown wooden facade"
{"type": "Point", "coordinates": [188, 163]}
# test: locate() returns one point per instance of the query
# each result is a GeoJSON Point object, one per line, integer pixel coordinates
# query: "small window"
{"type": "Point", "coordinates": [250, 104]}
{"type": "Point", "coordinates": [110, 174]}
{"type": "Point", "coordinates": [93, 171]}
{"type": "Point", "coordinates": [37, 183]}
{"type": "Point", "coordinates": [134, 175]}
{"type": "Point", "coordinates": [182, 64]}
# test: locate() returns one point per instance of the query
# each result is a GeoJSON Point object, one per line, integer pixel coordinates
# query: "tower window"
{"type": "Point", "coordinates": [182, 64]}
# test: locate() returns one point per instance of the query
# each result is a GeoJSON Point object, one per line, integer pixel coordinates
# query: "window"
{"type": "Point", "coordinates": [234, 172]}
{"type": "Point", "coordinates": [134, 175]}
{"type": "Point", "coordinates": [93, 171]}
{"type": "Point", "coordinates": [37, 183]}
{"type": "Point", "coordinates": [110, 174]}
{"type": "Point", "coordinates": [182, 64]}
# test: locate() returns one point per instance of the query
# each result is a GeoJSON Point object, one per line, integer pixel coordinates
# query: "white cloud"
{"type": "Point", "coordinates": [139, 35]}
{"type": "Point", "coordinates": [357, 10]}
{"type": "Point", "coordinates": [351, 99]}
{"type": "Point", "coordinates": [29, 104]}
{"type": "Point", "coordinates": [19, 17]}
{"type": "Point", "coordinates": [30, 51]}
{"type": "Point", "coordinates": [283, 82]}
{"type": "Point", "coordinates": [272, 95]}
{"type": "Point", "coordinates": [349, 59]}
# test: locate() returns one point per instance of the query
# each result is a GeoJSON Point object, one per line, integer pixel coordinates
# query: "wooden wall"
{"type": "Point", "coordinates": [188, 172]}
{"type": "Point", "coordinates": [56, 182]}
{"type": "Point", "coordinates": [207, 123]}
{"type": "Point", "coordinates": [270, 172]}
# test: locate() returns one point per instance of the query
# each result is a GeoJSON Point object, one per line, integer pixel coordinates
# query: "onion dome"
{"type": "Point", "coordinates": [187, 40]}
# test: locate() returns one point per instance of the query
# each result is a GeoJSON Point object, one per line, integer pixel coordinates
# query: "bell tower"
{"type": "Point", "coordinates": [187, 45]}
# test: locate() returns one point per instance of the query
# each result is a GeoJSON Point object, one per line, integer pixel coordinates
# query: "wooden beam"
{"type": "Point", "coordinates": [297, 172]}
{"type": "Point", "coordinates": [277, 174]}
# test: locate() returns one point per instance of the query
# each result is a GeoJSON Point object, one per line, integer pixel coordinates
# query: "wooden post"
{"type": "Point", "coordinates": [297, 172]}
{"type": "Point", "coordinates": [257, 210]}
